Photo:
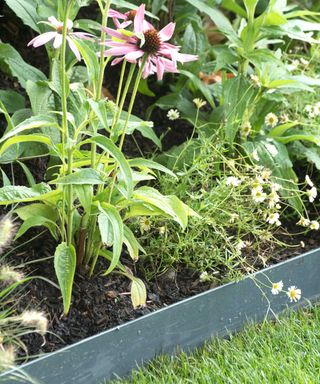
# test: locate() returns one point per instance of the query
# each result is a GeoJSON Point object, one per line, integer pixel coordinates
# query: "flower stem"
{"type": "Point", "coordinates": [68, 190]}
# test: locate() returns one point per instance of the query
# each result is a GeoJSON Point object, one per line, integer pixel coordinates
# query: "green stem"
{"type": "Point", "coordinates": [68, 192]}
{"type": "Point", "coordinates": [102, 65]}
{"type": "Point", "coordinates": [123, 135]}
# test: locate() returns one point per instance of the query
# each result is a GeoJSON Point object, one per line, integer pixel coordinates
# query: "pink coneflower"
{"type": "Point", "coordinates": [56, 36]}
{"type": "Point", "coordinates": [127, 18]}
{"type": "Point", "coordinates": [146, 40]}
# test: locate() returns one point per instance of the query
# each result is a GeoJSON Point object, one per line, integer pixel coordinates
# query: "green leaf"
{"type": "Point", "coordinates": [108, 146]}
{"type": "Point", "coordinates": [12, 63]}
{"type": "Point", "coordinates": [132, 244]}
{"type": "Point", "coordinates": [39, 94]}
{"type": "Point", "coordinates": [110, 213]}
{"type": "Point", "coordinates": [218, 18]}
{"type": "Point", "coordinates": [36, 221]}
{"type": "Point", "coordinates": [20, 194]}
{"type": "Point", "coordinates": [87, 176]}
{"type": "Point", "coordinates": [31, 123]}
{"type": "Point", "coordinates": [65, 267]}
{"type": "Point", "coordinates": [144, 88]}
{"type": "Point", "coordinates": [12, 101]}
{"type": "Point", "coordinates": [149, 164]}
{"type": "Point", "coordinates": [169, 205]}
{"type": "Point", "coordinates": [24, 139]}
{"type": "Point", "coordinates": [27, 11]}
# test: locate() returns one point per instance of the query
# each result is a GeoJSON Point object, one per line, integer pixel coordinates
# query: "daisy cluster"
{"type": "Point", "coordinates": [262, 191]}
{"type": "Point", "coordinates": [293, 293]}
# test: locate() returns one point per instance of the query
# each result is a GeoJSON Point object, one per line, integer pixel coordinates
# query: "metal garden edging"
{"type": "Point", "coordinates": [184, 325]}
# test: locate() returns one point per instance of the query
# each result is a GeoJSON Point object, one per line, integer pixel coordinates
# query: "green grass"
{"type": "Point", "coordinates": [287, 351]}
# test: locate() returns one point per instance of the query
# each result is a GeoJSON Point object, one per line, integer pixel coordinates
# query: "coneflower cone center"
{"type": "Point", "coordinates": [131, 15]}
{"type": "Point", "coordinates": [152, 42]}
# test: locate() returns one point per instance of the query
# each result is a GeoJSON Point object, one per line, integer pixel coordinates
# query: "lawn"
{"type": "Point", "coordinates": [286, 351]}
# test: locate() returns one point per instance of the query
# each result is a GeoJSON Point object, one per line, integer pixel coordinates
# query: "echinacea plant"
{"type": "Point", "coordinates": [93, 193]}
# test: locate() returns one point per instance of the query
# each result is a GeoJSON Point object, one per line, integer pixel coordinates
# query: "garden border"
{"type": "Point", "coordinates": [184, 325]}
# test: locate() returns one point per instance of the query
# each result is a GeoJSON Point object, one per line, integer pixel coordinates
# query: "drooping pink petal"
{"type": "Point", "coordinates": [148, 69]}
{"type": "Point", "coordinates": [74, 48]}
{"type": "Point", "coordinates": [160, 68]}
{"type": "Point", "coordinates": [119, 51]}
{"type": "Point", "coordinates": [82, 35]}
{"type": "Point", "coordinates": [117, 61]}
{"type": "Point", "coordinates": [57, 41]}
{"type": "Point", "coordinates": [42, 39]}
{"type": "Point", "coordinates": [167, 32]}
{"type": "Point", "coordinates": [116, 34]}
{"type": "Point", "coordinates": [115, 14]}
{"type": "Point", "coordinates": [184, 58]}
{"type": "Point", "coordinates": [54, 22]}
{"type": "Point", "coordinates": [69, 24]}
{"type": "Point", "coordinates": [133, 56]}
{"type": "Point", "coordinates": [138, 19]}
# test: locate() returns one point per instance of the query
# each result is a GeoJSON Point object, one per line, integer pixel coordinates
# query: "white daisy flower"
{"type": "Point", "coordinates": [245, 129]}
{"type": "Point", "coordinates": [284, 118]}
{"type": "Point", "coordinates": [204, 277]}
{"type": "Point", "coordinates": [294, 293]}
{"type": "Point", "coordinates": [312, 194]}
{"type": "Point", "coordinates": [309, 181]}
{"type": "Point", "coordinates": [314, 225]}
{"type": "Point", "coordinates": [145, 224]}
{"type": "Point", "coordinates": [255, 155]}
{"type": "Point", "coordinates": [273, 218]}
{"type": "Point", "coordinates": [234, 181]}
{"type": "Point", "coordinates": [303, 222]}
{"type": "Point", "coordinates": [173, 114]}
{"type": "Point", "coordinates": [258, 196]}
{"type": "Point", "coordinates": [199, 103]}
{"type": "Point", "coordinates": [256, 81]}
{"type": "Point", "coordinates": [271, 120]}
{"type": "Point", "coordinates": [277, 287]}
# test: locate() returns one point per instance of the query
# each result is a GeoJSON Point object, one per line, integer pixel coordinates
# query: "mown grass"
{"type": "Point", "coordinates": [287, 351]}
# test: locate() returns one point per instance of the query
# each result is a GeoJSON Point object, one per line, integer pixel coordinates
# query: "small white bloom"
{"type": "Point", "coordinates": [245, 129]}
{"type": "Point", "coordinates": [314, 225]}
{"type": "Point", "coordinates": [255, 155]}
{"type": "Point", "coordinates": [309, 181]}
{"type": "Point", "coordinates": [233, 217]}
{"type": "Point", "coordinates": [199, 103]}
{"type": "Point", "coordinates": [272, 149]}
{"type": "Point", "coordinates": [145, 224]}
{"type": "Point", "coordinates": [162, 230]}
{"type": "Point", "coordinates": [256, 81]}
{"type": "Point", "coordinates": [303, 222]}
{"type": "Point", "coordinates": [304, 62]}
{"type": "Point", "coordinates": [274, 198]}
{"type": "Point", "coordinates": [273, 218]}
{"type": "Point", "coordinates": [173, 114]}
{"type": "Point", "coordinates": [294, 293]}
{"type": "Point", "coordinates": [294, 65]}
{"type": "Point", "coordinates": [234, 181]}
{"type": "Point", "coordinates": [204, 277]}
{"type": "Point", "coordinates": [271, 120]}
{"type": "Point", "coordinates": [277, 287]}
{"type": "Point", "coordinates": [240, 245]}
{"type": "Point", "coordinates": [302, 243]}
{"type": "Point", "coordinates": [265, 174]}
{"type": "Point", "coordinates": [284, 118]}
{"type": "Point", "coordinates": [275, 187]}
{"type": "Point", "coordinates": [312, 194]}
{"type": "Point", "coordinates": [258, 195]}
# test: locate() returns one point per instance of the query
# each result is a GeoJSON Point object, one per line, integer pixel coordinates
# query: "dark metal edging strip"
{"type": "Point", "coordinates": [184, 325]}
